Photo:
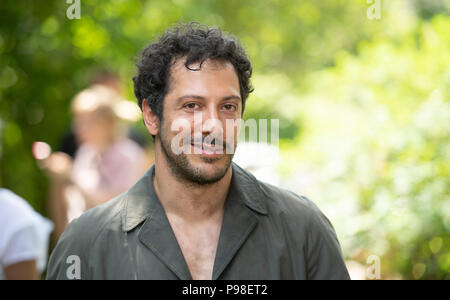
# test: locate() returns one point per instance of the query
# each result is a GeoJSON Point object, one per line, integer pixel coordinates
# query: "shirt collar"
{"type": "Point", "coordinates": [141, 199]}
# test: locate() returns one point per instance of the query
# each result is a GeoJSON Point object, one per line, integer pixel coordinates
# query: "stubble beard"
{"type": "Point", "coordinates": [184, 171]}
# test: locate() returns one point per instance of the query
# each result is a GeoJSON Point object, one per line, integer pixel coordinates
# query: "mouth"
{"type": "Point", "coordinates": [211, 150]}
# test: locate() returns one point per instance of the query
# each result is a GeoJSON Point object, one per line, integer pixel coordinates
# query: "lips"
{"type": "Point", "coordinates": [208, 148]}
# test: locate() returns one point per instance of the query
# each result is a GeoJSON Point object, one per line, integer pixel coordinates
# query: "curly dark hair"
{"type": "Point", "coordinates": [196, 43]}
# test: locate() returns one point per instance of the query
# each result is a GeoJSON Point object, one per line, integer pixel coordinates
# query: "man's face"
{"type": "Point", "coordinates": [195, 114]}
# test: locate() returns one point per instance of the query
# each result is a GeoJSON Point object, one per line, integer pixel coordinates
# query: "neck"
{"type": "Point", "coordinates": [104, 145]}
{"type": "Point", "coordinates": [192, 203]}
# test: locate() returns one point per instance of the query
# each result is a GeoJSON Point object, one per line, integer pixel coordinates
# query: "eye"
{"type": "Point", "coordinates": [230, 107]}
{"type": "Point", "coordinates": [191, 106]}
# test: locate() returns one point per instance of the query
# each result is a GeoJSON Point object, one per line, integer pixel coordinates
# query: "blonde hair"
{"type": "Point", "coordinates": [105, 101]}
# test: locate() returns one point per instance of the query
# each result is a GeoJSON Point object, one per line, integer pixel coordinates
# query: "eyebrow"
{"type": "Point", "coordinates": [198, 97]}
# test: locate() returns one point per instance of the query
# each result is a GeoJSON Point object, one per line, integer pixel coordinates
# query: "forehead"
{"type": "Point", "coordinates": [210, 77]}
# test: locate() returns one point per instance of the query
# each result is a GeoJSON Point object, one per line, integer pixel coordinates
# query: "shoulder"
{"type": "Point", "coordinates": [307, 229]}
{"type": "Point", "coordinates": [281, 202]}
{"type": "Point", "coordinates": [82, 235]}
{"type": "Point", "coordinates": [16, 212]}
{"type": "Point", "coordinates": [94, 221]}
{"type": "Point", "coordinates": [296, 212]}
{"type": "Point", "coordinates": [14, 205]}
{"type": "Point", "coordinates": [282, 199]}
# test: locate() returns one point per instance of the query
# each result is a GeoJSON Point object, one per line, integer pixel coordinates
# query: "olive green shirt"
{"type": "Point", "coordinates": [267, 233]}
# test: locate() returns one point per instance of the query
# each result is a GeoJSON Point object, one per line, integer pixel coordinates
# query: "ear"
{"type": "Point", "coordinates": [151, 120]}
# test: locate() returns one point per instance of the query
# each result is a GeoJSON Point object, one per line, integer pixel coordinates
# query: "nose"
{"type": "Point", "coordinates": [211, 121]}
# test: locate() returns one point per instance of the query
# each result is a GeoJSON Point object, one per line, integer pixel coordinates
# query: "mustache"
{"type": "Point", "coordinates": [215, 141]}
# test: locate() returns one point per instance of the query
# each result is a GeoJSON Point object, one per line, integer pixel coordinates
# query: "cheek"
{"type": "Point", "coordinates": [92, 134]}
{"type": "Point", "coordinates": [174, 129]}
{"type": "Point", "coordinates": [81, 130]}
{"type": "Point", "coordinates": [231, 129]}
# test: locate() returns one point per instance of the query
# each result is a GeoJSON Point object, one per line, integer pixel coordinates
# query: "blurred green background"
{"type": "Point", "coordinates": [364, 104]}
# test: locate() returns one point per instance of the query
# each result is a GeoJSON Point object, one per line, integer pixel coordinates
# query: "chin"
{"type": "Point", "coordinates": [210, 170]}
{"type": "Point", "coordinates": [200, 169]}
{"type": "Point", "coordinates": [209, 162]}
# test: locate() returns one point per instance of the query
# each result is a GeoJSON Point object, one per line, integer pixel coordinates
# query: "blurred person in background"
{"type": "Point", "coordinates": [105, 164]}
{"type": "Point", "coordinates": [69, 143]}
{"type": "Point", "coordinates": [24, 237]}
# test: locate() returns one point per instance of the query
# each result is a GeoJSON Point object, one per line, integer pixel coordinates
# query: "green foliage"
{"type": "Point", "coordinates": [378, 142]}
{"type": "Point", "coordinates": [363, 104]}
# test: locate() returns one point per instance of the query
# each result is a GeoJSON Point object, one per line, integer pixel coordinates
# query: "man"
{"type": "Point", "coordinates": [195, 214]}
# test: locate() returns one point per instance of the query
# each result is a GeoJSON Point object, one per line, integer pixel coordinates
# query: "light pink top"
{"type": "Point", "coordinates": [102, 177]}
